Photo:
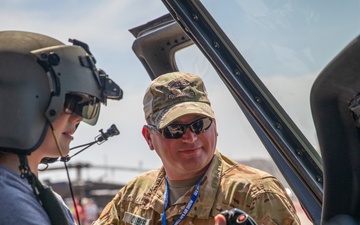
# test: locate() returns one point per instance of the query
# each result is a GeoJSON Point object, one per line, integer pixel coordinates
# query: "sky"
{"type": "Point", "coordinates": [104, 26]}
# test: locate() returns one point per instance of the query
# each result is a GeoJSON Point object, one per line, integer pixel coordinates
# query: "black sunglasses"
{"type": "Point", "coordinates": [176, 131]}
{"type": "Point", "coordinates": [87, 108]}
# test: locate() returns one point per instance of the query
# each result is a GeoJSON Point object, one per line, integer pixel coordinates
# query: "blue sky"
{"type": "Point", "coordinates": [104, 26]}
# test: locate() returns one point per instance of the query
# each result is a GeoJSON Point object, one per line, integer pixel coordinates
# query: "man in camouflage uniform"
{"type": "Point", "coordinates": [196, 181]}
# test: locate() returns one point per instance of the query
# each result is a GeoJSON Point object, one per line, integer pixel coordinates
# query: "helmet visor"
{"type": "Point", "coordinates": [88, 107]}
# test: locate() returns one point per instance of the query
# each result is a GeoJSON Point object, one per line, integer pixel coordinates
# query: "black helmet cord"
{"type": "Point", "coordinates": [44, 194]}
{"type": "Point", "coordinates": [58, 147]}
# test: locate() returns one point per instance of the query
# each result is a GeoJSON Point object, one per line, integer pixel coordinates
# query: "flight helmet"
{"type": "Point", "coordinates": [38, 76]}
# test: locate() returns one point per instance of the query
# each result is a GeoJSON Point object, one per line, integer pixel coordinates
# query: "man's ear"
{"type": "Point", "coordinates": [146, 134]}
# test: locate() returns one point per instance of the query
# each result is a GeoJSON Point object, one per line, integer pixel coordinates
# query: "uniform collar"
{"type": "Point", "coordinates": [208, 189]}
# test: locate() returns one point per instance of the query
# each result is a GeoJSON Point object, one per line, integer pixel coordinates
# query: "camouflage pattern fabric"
{"type": "Point", "coordinates": [225, 185]}
{"type": "Point", "coordinates": [172, 95]}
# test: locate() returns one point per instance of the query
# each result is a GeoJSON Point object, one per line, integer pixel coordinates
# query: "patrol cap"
{"type": "Point", "coordinates": [173, 95]}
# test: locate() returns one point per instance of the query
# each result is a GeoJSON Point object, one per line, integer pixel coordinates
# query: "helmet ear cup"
{"type": "Point", "coordinates": [24, 91]}
{"type": "Point", "coordinates": [25, 99]}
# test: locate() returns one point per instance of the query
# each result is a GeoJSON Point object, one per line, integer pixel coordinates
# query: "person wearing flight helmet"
{"type": "Point", "coordinates": [46, 89]}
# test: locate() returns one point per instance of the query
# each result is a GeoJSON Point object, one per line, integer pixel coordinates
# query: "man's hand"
{"type": "Point", "coordinates": [220, 220]}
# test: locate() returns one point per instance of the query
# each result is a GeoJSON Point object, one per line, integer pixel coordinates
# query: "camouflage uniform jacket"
{"type": "Point", "coordinates": [225, 185]}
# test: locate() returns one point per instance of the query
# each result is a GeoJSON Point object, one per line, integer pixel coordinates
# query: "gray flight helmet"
{"type": "Point", "coordinates": [36, 73]}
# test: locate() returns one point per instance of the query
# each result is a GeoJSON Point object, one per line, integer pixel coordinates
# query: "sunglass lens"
{"type": "Point", "coordinates": [197, 126]}
{"type": "Point", "coordinates": [174, 131]}
{"type": "Point", "coordinates": [206, 123]}
{"type": "Point", "coordinates": [200, 125]}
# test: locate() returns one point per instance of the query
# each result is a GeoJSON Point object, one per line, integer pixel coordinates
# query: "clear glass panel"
{"type": "Point", "coordinates": [288, 43]}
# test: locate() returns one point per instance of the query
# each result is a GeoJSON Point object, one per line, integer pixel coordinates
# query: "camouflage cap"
{"type": "Point", "coordinates": [172, 95]}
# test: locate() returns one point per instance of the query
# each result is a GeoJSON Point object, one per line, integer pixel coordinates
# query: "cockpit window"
{"type": "Point", "coordinates": [287, 44]}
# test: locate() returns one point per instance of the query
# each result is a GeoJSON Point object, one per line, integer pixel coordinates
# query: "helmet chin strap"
{"type": "Point", "coordinates": [44, 194]}
{"type": "Point", "coordinates": [58, 147]}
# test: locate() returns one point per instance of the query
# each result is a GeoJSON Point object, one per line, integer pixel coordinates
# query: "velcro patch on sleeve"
{"type": "Point", "coordinates": [135, 219]}
{"type": "Point", "coordinates": [106, 210]}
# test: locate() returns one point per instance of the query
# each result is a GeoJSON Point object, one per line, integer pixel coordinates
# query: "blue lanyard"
{"type": "Point", "coordinates": [188, 207]}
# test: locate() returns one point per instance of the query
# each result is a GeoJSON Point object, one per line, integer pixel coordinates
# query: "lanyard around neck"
{"type": "Point", "coordinates": [188, 207]}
